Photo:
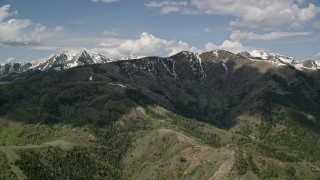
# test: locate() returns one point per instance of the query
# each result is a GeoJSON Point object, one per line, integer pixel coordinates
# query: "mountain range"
{"type": "Point", "coordinates": [57, 62]}
{"type": "Point", "coordinates": [62, 61]}
{"type": "Point", "coordinates": [210, 115]}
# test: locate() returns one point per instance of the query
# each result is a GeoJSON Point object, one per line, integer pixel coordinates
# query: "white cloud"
{"type": "Point", "coordinates": [146, 45]}
{"type": "Point", "coordinates": [271, 14]}
{"type": "Point", "coordinates": [207, 30]}
{"type": "Point", "coordinates": [11, 59]}
{"type": "Point", "coordinates": [105, 1]}
{"type": "Point", "coordinates": [26, 33]}
{"type": "Point", "coordinates": [59, 29]}
{"type": "Point", "coordinates": [23, 32]}
{"type": "Point", "coordinates": [4, 12]}
{"type": "Point", "coordinates": [112, 33]}
{"type": "Point", "coordinates": [317, 55]}
{"type": "Point", "coordinates": [182, 46]}
{"type": "Point", "coordinates": [250, 36]}
{"type": "Point", "coordinates": [262, 14]}
{"type": "Point", "coordinates": [161, 4]}
{"type": "Point", "coordinates": [232, 46]}
{"type": "Point", "coordinates": [167, 7]}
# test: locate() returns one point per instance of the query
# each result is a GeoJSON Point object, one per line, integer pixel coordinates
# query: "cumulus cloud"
{"type": "Point", "coordinates": [146, 45]}
{"type": "Point", "coordinates": [250, 36]}
{"type": "Point", "coordinates": [263, 14]}
{"type": "Point", "coordinates": [23, 32]}
{"type": "Point", "coordinates": [105, 1]}
{"type": "Point", "coordinates": [4, 12]}
{"type": "Point", "coordinates": [232, 46]}
{"type": "Point", "coordinates": [182, 46]}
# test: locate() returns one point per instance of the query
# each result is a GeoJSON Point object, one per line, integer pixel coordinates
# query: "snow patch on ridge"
{"type": "Point", "coordinates": [170, 70]}
{"type": "Point", "coordinates": [118, 84]}
{"type": "Point", "coordinates": [280, 60]}
{"type": "Point", "coordinates": [259, 54]}
{"type": "Point", "coordinates": [200, 63]}
{"type": "Point", "coordinates": [225, 66]}
{"type": "Point", "coordinates": [215, 53]}
{"type": "Point", "coordinates": [130, 57]}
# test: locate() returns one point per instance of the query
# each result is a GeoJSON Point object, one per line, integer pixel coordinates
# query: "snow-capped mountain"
{"type": "Point", "coordinates": [57, 62]}
{"type": "Point", "coordinates": [12, 67]}
{"type": "Point", "coordinates": [64, 61]}
{"type": "Point", "coordinates": [281, 60]}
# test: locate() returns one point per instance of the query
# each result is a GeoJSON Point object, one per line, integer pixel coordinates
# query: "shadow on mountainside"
{"type": "Point", "coordinates": [68, 97]}
{"type": "Point", "coordinates": [216, 92]}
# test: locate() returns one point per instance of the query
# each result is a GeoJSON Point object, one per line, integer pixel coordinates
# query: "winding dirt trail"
{"type": "Point", "coordinates": [225, 167]}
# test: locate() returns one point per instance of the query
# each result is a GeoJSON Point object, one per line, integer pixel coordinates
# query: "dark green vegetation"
{"type": "Point", "coordinates": [31, 134]}
{"type": "Point", "coordinates": [196, 118]}
{"type": "Point", "coordinates": [5, 172]}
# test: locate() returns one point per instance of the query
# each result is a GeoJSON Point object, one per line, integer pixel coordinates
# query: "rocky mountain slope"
{"type": "Point", "coordinates": [12, 67]}
{"type": "Point", "coordinates": [215, 86]}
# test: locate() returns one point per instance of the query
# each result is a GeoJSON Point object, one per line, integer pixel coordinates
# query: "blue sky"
{"type": "Point", "coordinates": [35, 29]}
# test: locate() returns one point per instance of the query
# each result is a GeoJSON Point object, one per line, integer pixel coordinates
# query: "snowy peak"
{"type": "Point", "coordinates": [281, 60]}
{"type": "Point", "coordinates": [64, 61]}
{"type": "Point", "coordinates": [263, 55]}
{"type": "Point", "coordinates": [260, 54]}
{"type": "Point", "coordinates": [83, 56]}
{"type": "Point", "coordinates": [88, 57]}
{"type": "Point", "coordinates": [53, 62]}
{"type": "Point", "coordinates": [130, 57]}
{"type": "Point", "coordinates": [57, 62]}
{"type": "Point", "coordinates": [12, 67]}
{"type": "Point", "coordinates": [244, 54]}
{"type": "Point", "coordinates": [307, 64]}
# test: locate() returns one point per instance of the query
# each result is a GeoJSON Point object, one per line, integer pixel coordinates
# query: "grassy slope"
{"type": "Point", "coordinates": [182, 146]}
{"type": "Point", "coordinates": [15, 137]}
{"type": "Point", "coordinates": [168, 154]}
{"type": "Point", "coordinates": [161, 142]}
{"type": "Point", "coordinates": [30, 134]}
